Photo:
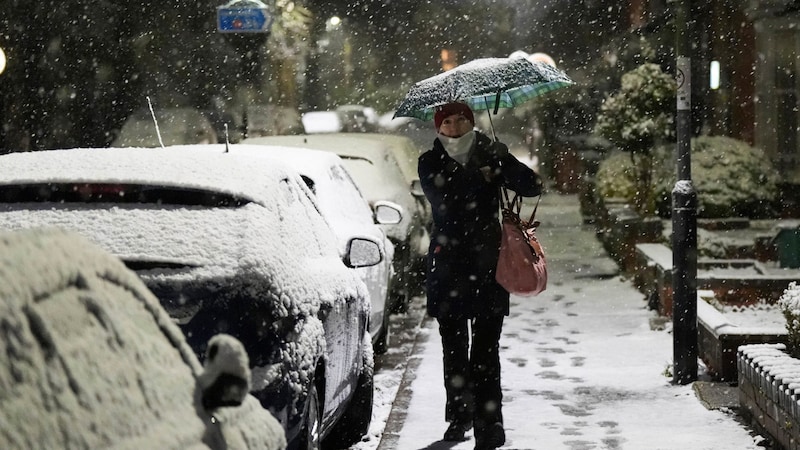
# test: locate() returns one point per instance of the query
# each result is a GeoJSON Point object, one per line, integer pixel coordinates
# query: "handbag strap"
{"type": "Point", "coordinates": [515, 204]}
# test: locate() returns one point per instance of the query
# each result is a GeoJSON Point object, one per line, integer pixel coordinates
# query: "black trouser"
{"type": "Point", "coordinates": [472, 373]}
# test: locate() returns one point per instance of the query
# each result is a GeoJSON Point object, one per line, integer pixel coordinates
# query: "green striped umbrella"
{"type": "Point", "coordinates": [482, 84]}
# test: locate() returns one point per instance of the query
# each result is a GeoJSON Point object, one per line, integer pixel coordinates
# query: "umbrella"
{"type": "Point", "coordinates": [482, 83]}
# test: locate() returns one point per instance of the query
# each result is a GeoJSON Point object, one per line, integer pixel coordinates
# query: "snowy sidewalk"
{"type": "Point", "coordinates": [582, 368]}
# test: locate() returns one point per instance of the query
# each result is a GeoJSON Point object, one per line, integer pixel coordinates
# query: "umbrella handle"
{"type": "Point", "coordinates": [497, 102]}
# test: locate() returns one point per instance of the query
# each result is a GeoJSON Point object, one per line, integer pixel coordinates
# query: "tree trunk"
{"type": "Point", "coordinates": [643, 198]}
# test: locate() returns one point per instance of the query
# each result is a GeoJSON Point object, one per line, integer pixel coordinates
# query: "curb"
{"type": "Point", "coordinates": [397, 416]}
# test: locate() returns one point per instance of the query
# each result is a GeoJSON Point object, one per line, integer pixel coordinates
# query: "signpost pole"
{"type": "Point", "coordinates": [246, 25]}
{"type": "Point", "coordinates": [684, 216]}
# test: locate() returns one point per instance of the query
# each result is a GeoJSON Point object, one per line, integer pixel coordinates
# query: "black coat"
{"type": "Point", "coordinates": [465, 236]}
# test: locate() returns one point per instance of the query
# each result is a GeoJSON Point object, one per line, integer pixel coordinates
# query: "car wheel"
{"type": "Point", "coordinates": [401, 290]}
{"type": "Point", "coordinates": [310, 438]}
{"type": "Point", "coordinates": [401, 297]}
{"type": "Point", "coordinates": [354, 423]}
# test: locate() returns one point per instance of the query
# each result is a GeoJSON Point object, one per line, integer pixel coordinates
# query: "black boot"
{"type": "Point", "coordinates": [490, 438]}
{"type": "Point", "coordinates": [456, 430]}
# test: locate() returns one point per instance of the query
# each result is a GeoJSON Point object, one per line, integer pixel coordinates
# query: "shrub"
{"type": "Point", "coordinates": [637, 117]}
{"type": "Point", "coordinates": [617, 177]}
{"type": "Point", "coordinates": [732, 179]}
{"type": "Point", "coordinates": [790, 306]}
{"type": "Point", "coordinates": [641, 113]}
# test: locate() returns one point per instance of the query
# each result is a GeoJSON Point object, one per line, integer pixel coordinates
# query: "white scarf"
{"type": "Point", "coordinates": [458, 148]}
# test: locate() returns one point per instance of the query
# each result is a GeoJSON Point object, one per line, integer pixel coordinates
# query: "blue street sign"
{"type": "Point", "coordinates": [240, 19]}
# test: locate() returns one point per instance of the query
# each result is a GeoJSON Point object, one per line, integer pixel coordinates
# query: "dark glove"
{"type": "Point", "coordinates": [498, 150]}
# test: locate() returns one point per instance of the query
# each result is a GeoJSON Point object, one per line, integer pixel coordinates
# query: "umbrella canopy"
{"type": "Point", "coordinates": [483, 83]}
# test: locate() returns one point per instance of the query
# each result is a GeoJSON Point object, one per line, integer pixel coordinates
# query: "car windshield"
{"type": "Point", "coordinates": [115, 193]}
{"type": "Point", "coordinates": [364, 172]}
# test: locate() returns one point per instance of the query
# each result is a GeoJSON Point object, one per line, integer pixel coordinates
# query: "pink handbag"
{"type": "Point", "coordinates": [521, 267]}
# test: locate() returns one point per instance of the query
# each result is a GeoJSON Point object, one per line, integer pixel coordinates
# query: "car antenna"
{"type": "Point", "coordinates": [155, 121]}
{"type": "Point", "coordinates": [227, 141]}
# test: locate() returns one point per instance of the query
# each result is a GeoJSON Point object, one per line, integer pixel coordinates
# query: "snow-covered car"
{"type": "Point", "coordinates": [349, 215]}
{"type": "Point", "coordinates": [344, 119]}
{"type": "Point", "coordinates": [322, 122]}
{"type": "Point", "coordinates": [376, 169]}
{"type": "Point", "coordinates": [230, 245]}
{"type": "Point", "coordinates": [359, 118]}
{"type": "Point", "coordinates": [406, 153]}
{"type": "Point", "coordinates": [90, 359]}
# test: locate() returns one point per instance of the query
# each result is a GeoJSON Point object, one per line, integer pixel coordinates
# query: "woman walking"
{"type": "Point", "coordinates": [462, 177]}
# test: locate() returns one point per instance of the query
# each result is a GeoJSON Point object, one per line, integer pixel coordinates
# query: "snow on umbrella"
{"type": "Point", "coordinates": [481, 83]}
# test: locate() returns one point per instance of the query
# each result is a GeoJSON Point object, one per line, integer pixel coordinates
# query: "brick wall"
{"type": "Point", "coordinates": [767, 392]}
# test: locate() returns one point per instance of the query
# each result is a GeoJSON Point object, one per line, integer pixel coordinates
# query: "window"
{"type": "Point", "coordinates": [777, 118]}
{"type": "Point", "coordinates": [786, 94]}
{"type": "Point", "coordinates": [116, 193]}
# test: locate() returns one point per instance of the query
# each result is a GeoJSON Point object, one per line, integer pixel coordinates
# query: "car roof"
{"type": "Point", "coordinates": [339, 143]}
{"type": "Point", "coordinates": [390, 176]}
{"type": "Point", "coordinates": [294, 156]}
{"type": "Point", "coordinates": [306, 161]}
{"type": "Point", "coordinates": [194, 236]}
{"type": "Point", "coordinates": [318, 166]}
{"type": "Point", "coordinates": [371, 146]}
{"type": "Point", "coordinates": [211, 168]}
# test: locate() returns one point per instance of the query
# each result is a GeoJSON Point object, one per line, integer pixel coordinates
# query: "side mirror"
{"type": "Point", "coordinates": [362, 252]}
{"type": "Point", "coordinates": [416, 189]}
{"type": "Point", "coordinates": [225, 380]}
{"type": "Point", "coordinates": [388, 213]}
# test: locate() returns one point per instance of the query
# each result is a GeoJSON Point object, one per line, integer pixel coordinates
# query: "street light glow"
{"type": "Point", "coordinates": [335, 21]}
{"type": "Point", "coordinates": [2, 60]}
{"type": "Point", "coordinates": [713, 79]}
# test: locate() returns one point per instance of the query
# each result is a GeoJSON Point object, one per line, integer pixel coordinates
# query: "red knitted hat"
{"type": "Point", "coordinates": [448, 109]}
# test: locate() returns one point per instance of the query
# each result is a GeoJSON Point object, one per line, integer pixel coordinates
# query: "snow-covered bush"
{"type": "Point", "coordinates": [732, 178]}
{"type": "Point", "coordinates": [641, 113]}
{"type": "Point", "coordinates": [790, 305]}
{"type": "Point", "coordinates": [635, 119]}
{"type": "Point", "coordinates": [617, 177]}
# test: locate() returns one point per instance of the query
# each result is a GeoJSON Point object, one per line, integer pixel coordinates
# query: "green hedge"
{"type": "Point", "coordinates": [732, 178]}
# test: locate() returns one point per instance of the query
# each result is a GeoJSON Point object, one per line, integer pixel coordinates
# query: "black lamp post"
{"type": "Point", "coordinates": [684, 216]}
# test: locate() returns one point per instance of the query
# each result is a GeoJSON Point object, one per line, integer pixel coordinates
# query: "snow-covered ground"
{"type": "Point", "coordinates": [582, 368]}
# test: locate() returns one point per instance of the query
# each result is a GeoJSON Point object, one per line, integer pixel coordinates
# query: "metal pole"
{"type": "Point", "coordinates": [684, 218]}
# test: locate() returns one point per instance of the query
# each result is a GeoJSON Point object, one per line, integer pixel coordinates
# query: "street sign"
{"type": "Point", "coordinates": [243, 19]}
